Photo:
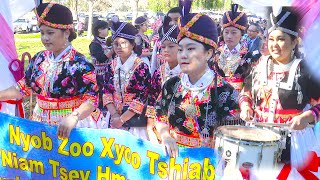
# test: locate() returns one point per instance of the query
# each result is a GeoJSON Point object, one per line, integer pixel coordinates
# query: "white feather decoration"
{"type": "Point", "coordinates": [276, 9]}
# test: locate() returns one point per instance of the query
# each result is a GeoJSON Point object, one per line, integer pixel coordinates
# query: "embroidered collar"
{"type": "Point", "coordinates": [200, 87]}
{"type": "Point", "coordinates": [264, 67]}
{"type": "Point", "coordinates": [101, 40]}
{"type": "Point", "coordinates": [60, 56]}
{"type": "Point", "coordinates": [127, 66]}
{"type": "Point", "coordinates": [169, 73]}
{"type": "Point", "coordinates": [235, 50]}
{"type": "Point", "coordinates": [229, 61]}
{"type": "Point", "coordinates": [279, 68]}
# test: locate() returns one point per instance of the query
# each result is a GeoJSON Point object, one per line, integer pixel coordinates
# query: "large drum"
{"type": "Point", "coordinates": [248, 147]}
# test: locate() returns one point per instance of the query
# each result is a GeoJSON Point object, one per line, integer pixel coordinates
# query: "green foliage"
{"type": "Point", "coordinates": [161, 5]}
{"type": "Point", "coordinates": [82, 5]}
{"type": "Point", "coordinates": [218, 4]}
{"type": "Point", "coordinates": [101, 5]}
{"type": "Point", "coordinates": [227, 5]}
{"type": "Point", "coordinates": [165, 5]}
{"type": "Point", "coordinates": [211, 4]}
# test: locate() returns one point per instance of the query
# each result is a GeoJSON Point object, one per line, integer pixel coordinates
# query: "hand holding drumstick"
{"type": "Point", "coordinates": [246, 112]}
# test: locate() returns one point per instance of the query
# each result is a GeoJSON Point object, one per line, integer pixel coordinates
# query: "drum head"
{"type": "Point", "coordinates": [248, 133]}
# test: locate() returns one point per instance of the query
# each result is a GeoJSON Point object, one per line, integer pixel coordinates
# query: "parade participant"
{"type": "Point", "coordinates": [197, 101]}
{"type": "Point", "coordinates": [234, 62]}
{"type": "Point", "coordinates": [127, 79]}
{"type": "Point", "coordinates": [62, 79]}
{"type": "Point", "coordinates": [143, 42]}
{"type": "Point", "coordinates": [100, 55]}
{"type": "Point", "coordinates": [280, 86]}
{"type": "Point", "coordinates": [157, 61]}
{"type": "Point", "coordinates": [174, 14]}
{"type": "Point", "coordinates": [169, 49]}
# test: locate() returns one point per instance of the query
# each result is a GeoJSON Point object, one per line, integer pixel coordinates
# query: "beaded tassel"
{"type": "Point", "coordinates": [204, 136]}
{"type": "Point", "coordinates": [298, 87]}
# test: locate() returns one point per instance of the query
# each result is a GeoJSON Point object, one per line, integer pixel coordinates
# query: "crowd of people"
{"type": "Point", "coordinates": [195, 77]}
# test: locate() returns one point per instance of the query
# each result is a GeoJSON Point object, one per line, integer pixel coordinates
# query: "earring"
{"type": "Point", "coordinates": [65, 44]}
{"type": "Point", "coordinates": [292, 53]}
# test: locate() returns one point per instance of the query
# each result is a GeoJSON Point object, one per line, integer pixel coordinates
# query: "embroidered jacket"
{"type": "Point", "coordinates": [158, 79]}
{"type": "Point", "coordinates": [172, 106]}
{"type": "Point", "coordinates": [71, 79]}
{"type": "Point", "coordinates": [98, 48]}
{"type": "Point", "coordinates": [133, 88]}
{"type": "Point", "coordinates": [277, 95]}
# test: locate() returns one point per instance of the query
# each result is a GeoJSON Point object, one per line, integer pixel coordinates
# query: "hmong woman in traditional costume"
{"type": "Point", "coordinates": [143, 42]}
{"type": "Point", "coordinates": [62, 79]}
{"type": "Point", "coordinates": [234, 63]}
{"type": "Point", "coordinates": [127, 79]}
{"type": "Point", "coordinates": [100, 55]}
{"type": "Point", "coordinates": [280, 86]}
{"type": "Point", "coordinates": [169, 49]}
{"type": "Point", "coordinates": [195, 103]}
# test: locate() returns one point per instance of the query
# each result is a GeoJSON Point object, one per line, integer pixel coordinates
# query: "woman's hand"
{"type": "Point", "coordinates": [152, 136]}
{"type": "Point", "coordinates": [170, 145]}
{"type": "Point", "coordinates": [66, 125]}
{"type": "Point", "coordinates": [246, 113]}
{"type": "Point", "coordinates": [301, 121]}
{"type": "Point", "coordinates": [150, 129]}
{"type": "Point", "coordinates": [116, 121]}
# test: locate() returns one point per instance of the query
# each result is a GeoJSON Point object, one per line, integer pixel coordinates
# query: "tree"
{"type": "Point", "coordinates": [135, 8]}
{"type": "Point", "coordinates": [90, 4]}
{"type": "Point", "coordinates": [101, 5]}
{"type": "Point", "coordinates": [122, 5]}
{"type": "Point", "coordinates": [73, 5]}
{"type": "Point", "coordinates": [226, 5]}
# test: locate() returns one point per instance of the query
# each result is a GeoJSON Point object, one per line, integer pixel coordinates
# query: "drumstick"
{"type": "Point", "coordinates": [276, 124]}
